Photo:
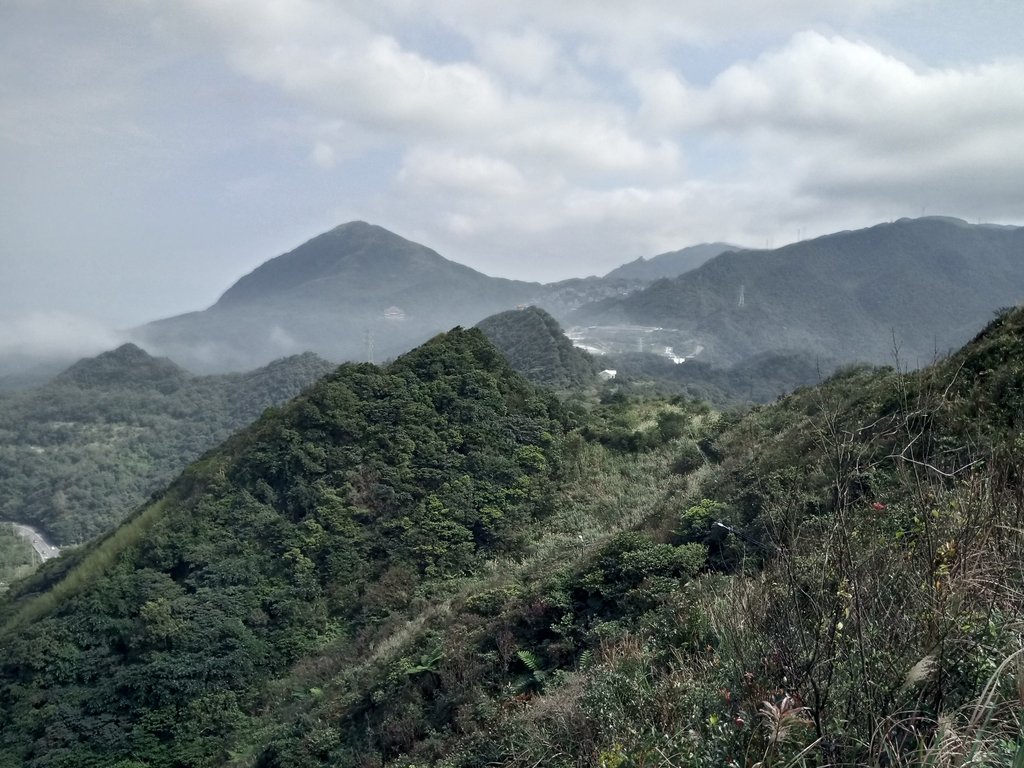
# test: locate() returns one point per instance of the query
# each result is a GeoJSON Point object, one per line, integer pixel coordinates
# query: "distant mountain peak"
{"type": "Point", "coordinates": [363, 229]}
{"type": "Point", "coordinates": [352, 253]}
{"type": "Point", "coordinates": [357, 225]}
{"type": "Point", "coordinates": [128, 365]}
{"type": "Point", "coordinates": [671, 264]}
{"type": "Point", "coordinates": [128, 353]}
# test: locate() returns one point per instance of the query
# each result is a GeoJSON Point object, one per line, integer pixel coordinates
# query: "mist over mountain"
{"type": "Point", "coordinates": [27, 372]}
{"type": "Point", "coordinates": [563, 297]}
{"type": "Point", "coordinates": [360, 292]}
{"type": "Point", "coordinates": [355, 292]}
{"type": "Point", "coordinates": [671, 264]}
{"type": "Point", "coordinates": [37, 346]}
{"type": "Point", "coordinates": [929, 284]}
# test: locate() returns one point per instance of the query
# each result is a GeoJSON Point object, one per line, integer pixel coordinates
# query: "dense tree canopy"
{"type": "Point", "coordinates": [77, 455]}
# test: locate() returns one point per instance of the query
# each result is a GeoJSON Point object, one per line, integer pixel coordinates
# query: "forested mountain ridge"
{"type": "Point", "coordinates": [533, 343]}
{"type": "Point", "coordinates": [919, 287]}
{"type": "Point", "coordinates": [434, 563]}
{"type": "Point", "coordinates": [78, 454]}
{"type": "Point", "coordinates": [359, 499]}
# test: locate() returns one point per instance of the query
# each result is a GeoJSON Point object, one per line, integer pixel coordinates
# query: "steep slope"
{"type": "Point", "coordinates": [932, 283]}
{"type": "Point", "coordinates": [322, 523]}
{"type": "Point", "coordinates": [859, 603]}
{"type": "Point", "coordinates": [533, 343]}
{"type": "Point", "coordinates": [78, 454]}
{"type": "Point", "coordinates": [354, 292]}
{"type": "Point", "coordinates": [671, 264]}
{"type": "Point", "coordinates": [832, 580]}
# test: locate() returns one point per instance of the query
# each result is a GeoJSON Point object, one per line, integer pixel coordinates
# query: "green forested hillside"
{"type": "Point", "coordinates": [535, 346]}
{"type": "Point", "coordinates": [318, 526]}
{"type": "Point", "coordinates": [434, 564]}
{"type": "Point", "coordinates": [78, 454]}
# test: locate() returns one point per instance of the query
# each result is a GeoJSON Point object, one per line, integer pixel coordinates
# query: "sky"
{"type": "Point", "coordinates": [153, 151]}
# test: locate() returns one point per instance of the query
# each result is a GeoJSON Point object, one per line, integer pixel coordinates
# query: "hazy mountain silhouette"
{"type": "Point", "coordinates": [355, 292]}
{"type": "Point", "coordinates": [126, 366]}
{"type": "Point", "coordinates": [671, 264]}
{"type": "Point", "coordinates": [929, 284]}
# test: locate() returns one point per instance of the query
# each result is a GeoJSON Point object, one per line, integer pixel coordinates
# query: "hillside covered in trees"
{"type": "Point", "coordinates": [435, 563]}
{"type": "Point", "coordinates": [533, 343]}
{"type": "Point", "coordinates": [78, 454]}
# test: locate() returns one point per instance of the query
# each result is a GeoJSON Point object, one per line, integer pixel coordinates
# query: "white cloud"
{"type": "Point", "coordinates": [523, 97]}
{"type": "Point", "coordinates": [525, 138]}
{"type": "Point", "coordinates": [622, 35]}
{"type": "Point", "coordinates": [528, 56]}
{"type": "Point", "coordinates": [845, 118]}
{"type": "Point", "coordinates": [54, 335]}
{"type": "Point", "coordinates": [820, 84]}
{"type": "Point", "coordinates": [432, 170]}
{"type": "Point", "coordinates": [329, 58]}
{"type": "Point", "coordinates": [323, 155]}
{"type": "Point", "coordinates": [838, 120]}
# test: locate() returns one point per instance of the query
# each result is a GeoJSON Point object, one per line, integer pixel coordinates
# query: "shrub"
{"type": "Point", "coordinates": [688, 458]}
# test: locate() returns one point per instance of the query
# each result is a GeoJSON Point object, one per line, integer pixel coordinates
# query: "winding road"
{"type": "Point", "coordinates": [43, 548]}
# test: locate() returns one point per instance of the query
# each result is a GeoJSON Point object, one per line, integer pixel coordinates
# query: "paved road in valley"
{"type": "Point", "coordinates": [43, 548]}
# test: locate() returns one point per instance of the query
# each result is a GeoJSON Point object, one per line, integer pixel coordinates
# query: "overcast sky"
{"type": "Point", "coordinates": [152, 151]}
